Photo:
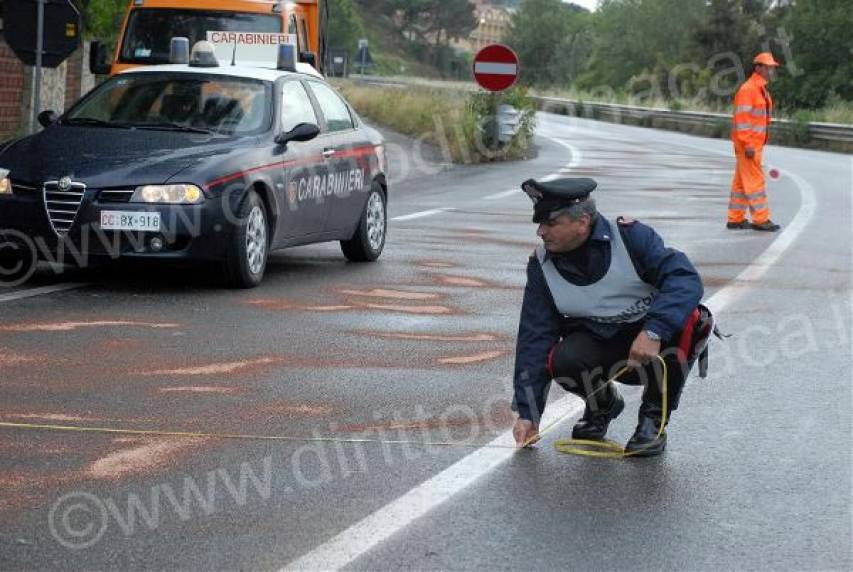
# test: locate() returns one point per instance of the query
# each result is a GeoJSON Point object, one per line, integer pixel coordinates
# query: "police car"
{"type": "Point", "coordinates": [201, 160]}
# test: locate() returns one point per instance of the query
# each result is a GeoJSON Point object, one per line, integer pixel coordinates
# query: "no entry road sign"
{"type": "Point", "coordinates": [496, 67]}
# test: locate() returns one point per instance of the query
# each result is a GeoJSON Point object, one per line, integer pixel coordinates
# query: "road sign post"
{"type": "Point", "coordinates": [34, 108]}
{"type": "Point", "coordinates": [496, 69]}
{"type": "Point", "coordinates": [57, 36]}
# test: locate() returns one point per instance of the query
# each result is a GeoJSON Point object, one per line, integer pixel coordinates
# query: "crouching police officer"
{"type": "Point", "coordinates": [600, 295]}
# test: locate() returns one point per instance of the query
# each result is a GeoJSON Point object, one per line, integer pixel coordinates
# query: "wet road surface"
{"type": "Point", "coordinates": [383, 382]}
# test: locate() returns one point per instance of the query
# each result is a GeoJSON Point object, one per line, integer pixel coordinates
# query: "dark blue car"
{"type": "Point", "coordinates": [181, 162]}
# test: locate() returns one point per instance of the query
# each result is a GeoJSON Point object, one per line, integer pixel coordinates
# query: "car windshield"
{"type": "Point", "coordinates": [150, 31]}
{"type": "Point", "coordinates": [188, 102]}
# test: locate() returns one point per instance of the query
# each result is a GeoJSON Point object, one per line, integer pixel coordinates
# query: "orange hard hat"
{"type": "Point", "coordinates": [766, 59]}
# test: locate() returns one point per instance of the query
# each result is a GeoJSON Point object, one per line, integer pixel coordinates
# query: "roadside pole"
{"type": "Point", "coordinates": [36, 81]}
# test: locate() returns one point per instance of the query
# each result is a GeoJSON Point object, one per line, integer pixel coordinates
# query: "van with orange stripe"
{"type": "Point", "coordinates": [150, 25]}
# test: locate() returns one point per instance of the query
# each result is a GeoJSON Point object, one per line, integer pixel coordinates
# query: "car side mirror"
{"type": "Point", "coordinates": [47, 118]}
{"type": "Point", "coordinates": [309, 58]}
{"type": "Point", "coordinates": [302, 132]}
{"type": "Point", "coordinates": [99, 59]}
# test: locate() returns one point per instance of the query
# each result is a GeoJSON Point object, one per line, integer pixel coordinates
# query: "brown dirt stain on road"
{"type": "Point", "coordinates": [71, 326]}
{"type": "Point", "coordinates": [216, 368]}
{"type": "Point", "coordinates": [143, 456]}
{"type": "Point", "coordinates": [476, 358]}
{"type": "Point", "coordinates": [199, 389]}
{"type": "Point", "coordinates": [472, 337]}
{"type": "Point", "coordinates": [390, 294]}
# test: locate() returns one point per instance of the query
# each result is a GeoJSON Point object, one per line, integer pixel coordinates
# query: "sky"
{"type": "Point", "coordinates": [588, 4]}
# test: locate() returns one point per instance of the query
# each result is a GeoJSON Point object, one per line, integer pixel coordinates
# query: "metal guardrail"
{"type": "Point", "coordinates": [829, 135]}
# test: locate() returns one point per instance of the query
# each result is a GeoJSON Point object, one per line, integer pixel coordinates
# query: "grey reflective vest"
{"type": "Point", "coordinates": [620, 297]}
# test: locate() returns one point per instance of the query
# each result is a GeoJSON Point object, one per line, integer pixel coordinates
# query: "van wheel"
{"type": "Point", "coordinates": [249, 244]}
{"type": "Point", "coordinates": [369, 239]}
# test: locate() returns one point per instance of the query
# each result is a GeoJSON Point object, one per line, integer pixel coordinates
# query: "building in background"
{"type": "Point", "coordinates": [493, 21]}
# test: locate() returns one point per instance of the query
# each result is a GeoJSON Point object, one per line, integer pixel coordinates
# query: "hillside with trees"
{"type": "Point", "coordinates": [696, 50]}
{"type": "Point", "coordinates": [672, 50]}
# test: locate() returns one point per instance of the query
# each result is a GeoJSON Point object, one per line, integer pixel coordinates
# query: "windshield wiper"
{"type": "Point", "coordinates": [168, 126]}
{"type": "Point", "coordinates": [94, 122]}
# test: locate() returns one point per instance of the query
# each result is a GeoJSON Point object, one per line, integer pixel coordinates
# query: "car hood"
{"type": "Point", "coordinates": [104, 157]}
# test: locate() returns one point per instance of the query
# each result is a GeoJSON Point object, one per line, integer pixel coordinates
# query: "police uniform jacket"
{"type": "Point", "coordinates": [542, 326]}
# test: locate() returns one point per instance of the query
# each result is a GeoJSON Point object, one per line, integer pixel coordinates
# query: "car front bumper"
{"type": "Point", "coordinates": [186, 232]}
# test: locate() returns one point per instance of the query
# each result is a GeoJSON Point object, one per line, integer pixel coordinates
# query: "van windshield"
{"type": "Point", "coordinates": [150, 31]}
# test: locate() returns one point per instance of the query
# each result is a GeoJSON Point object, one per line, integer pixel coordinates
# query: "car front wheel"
{"type": "Point", "coordinates": [369, 239]}
{"type": "Point", "coordinates": [249, 246]}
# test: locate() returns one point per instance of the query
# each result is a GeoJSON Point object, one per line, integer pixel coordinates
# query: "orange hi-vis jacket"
{"type": "Point", "coordinates": [753, 113]}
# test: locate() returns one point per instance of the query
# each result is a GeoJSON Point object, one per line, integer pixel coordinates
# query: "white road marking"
{"type": "Point", "coordinates": [397, 515]}
{"type": "Point", "coordinates": [422, 214]}
{"type": "Point", "coordinates": [502, 194]}
{"type": "Point", "coordinates": [41, 290]}
{"type": "Point", "coordinates": [760, 266]}
{"type": "Point", "coordinates": [365, 535]}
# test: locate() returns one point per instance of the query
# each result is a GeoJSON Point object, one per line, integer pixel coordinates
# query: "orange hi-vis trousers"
{"type": "Point", "coordinates": [749, 191]}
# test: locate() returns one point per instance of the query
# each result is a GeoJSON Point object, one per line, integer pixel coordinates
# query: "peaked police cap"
{"type": "Point", "coordinates": [553, 196]}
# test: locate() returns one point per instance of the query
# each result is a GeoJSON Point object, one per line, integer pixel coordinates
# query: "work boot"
{"type": "Point", "coordinates": [768, 226]}
{"type": "Point", "coordinates": [593, 424]}
{"type": "Point", "coordinates": [646, 442]}
{"type": "Point", "coordinates": [742, 225]}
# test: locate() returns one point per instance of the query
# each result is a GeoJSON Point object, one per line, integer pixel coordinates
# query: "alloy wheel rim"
{"type": "Point", "coordinates": [375, 221]}
{"type": "Point", "coordinates": [256, 240]}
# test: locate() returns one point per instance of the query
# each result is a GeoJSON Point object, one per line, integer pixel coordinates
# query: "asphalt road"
{"type": "Point", "coordinates": [389, 384]}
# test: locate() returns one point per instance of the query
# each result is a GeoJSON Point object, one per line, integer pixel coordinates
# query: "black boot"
{"type": "Point", "coordinates": [593, 424]}
{"type": "Point", "coordinates": [648, 440]}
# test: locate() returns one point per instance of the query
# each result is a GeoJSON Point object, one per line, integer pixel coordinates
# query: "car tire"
{"type": "Point", "coordinates": [369, 239]}
{"type": "Point", "coordinates": [249, 244]}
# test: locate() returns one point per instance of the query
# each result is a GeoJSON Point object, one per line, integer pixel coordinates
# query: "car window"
{"type": "Point", "coordinates": [223, 104]}
{"type": "Point", "coordinates": [296, 106]}
{"type": "Point", "coordinates": [333, 107]}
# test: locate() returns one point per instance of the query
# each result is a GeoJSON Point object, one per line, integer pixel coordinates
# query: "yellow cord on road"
{"type": "Point", "coordinates": [608, 449]}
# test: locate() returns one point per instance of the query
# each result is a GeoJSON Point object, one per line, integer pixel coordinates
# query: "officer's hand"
{"type": "Point", "coordinates": [749, 152]}
{"type": "Point", "coordinates": [643, 350]}
{"type": "Point", "coordinates": [526, 432]}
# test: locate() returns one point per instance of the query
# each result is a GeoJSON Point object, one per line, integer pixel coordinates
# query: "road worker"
{"type": "Point", "coordinates": [601, 294]}
{"type": "Point", "coordinates": [750, 129]}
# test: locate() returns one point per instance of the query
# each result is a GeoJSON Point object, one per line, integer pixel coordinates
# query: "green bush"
{"type": "Point", "coordinates": [453, 120]}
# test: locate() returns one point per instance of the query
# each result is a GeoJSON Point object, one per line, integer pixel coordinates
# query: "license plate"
{"type": "Point", "coordinates": [125, 220]}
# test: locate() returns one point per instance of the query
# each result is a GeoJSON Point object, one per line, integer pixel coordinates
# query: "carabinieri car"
{"type": "Point", "coordinates": [198, 161]}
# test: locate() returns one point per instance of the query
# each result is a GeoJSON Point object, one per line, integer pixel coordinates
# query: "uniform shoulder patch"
{"type": "Point", "coordinates": [626, 221]}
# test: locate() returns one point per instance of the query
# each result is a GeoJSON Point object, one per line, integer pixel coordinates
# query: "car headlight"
{"type": "Point", "coordinates": [169, 194]}
{"type": "Point", "coordinates": [5, 182]}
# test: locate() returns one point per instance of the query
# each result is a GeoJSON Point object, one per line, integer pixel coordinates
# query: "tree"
{"type": "Point", "coordinates": [102, 18]}
{"type": "Point", "coordinates": [345, 26]}
{"type": "Point", "coordinates": [548, 37]}
{"type": "Point", "coordinates": [821, 51]}
{"type": "Point", "coordinates": [635, 37]}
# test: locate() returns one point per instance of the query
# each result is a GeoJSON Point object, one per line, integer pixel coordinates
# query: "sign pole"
{"type": "Point", "coordinates": [38, 67]}
{"type": "Point", "coordinates": [497, 106]}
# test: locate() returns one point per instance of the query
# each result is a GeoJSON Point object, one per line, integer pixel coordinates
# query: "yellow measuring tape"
{"type": "Point", "coordinates": [585, 447]}
{"type": "Point", "coordinates": [606, 449]}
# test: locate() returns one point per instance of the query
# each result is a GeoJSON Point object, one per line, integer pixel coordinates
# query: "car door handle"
{"type": "Point", "coordinates": [328, 153]}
